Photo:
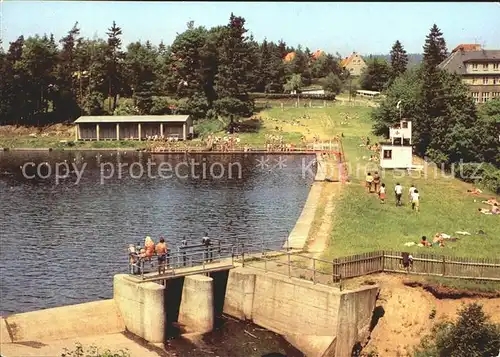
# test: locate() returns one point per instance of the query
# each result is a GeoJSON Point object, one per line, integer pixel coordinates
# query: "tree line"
{"type": "Point", "coordinates": [204, 72]}
{"type": "Point", "coordinates": [448, 127]}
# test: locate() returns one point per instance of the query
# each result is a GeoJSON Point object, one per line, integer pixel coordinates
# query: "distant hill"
{"type": "Point", "coordinates": [413, 58]}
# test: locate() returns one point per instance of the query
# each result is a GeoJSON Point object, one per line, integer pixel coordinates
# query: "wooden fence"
{"type": "Point", "coordinates": [422, 264]}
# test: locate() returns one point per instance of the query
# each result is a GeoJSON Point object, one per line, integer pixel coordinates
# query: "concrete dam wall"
{"type": "Point", "coordinates": [318, 320]}
{"type": "Point", "coordinates": [98, 317]}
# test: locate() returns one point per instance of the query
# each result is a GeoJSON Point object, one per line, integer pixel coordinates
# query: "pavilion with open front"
{"type": "Point", "coordinates": [133, 127]}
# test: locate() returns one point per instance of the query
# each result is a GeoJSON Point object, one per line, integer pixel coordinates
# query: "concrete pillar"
{"type": "Point", "coordinates": [117, 131]}
{"type": "Point", "coordinates": [139, 131]}
{"type": "Point", "coordinates": [196, 312]}
{"type": "Point", "coordinates": [76, 132]}
{"type": "Point", "coordinates": [184, 131]}
{"type": "Point", "coordinates": [240, 291]}
{"type": "Point", "coordinates": [142, 307]}
{"type": "Point", "coordinates": [97, 131]}
{"type": "Point", "coordinates": [161, 129]}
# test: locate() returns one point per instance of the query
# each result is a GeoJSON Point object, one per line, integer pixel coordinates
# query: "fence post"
{"type": "Point", "coordinates": [383, 260]}
{"type": "Point", "coordinates": [243, 258]}
{"type": "Point", "coordinates": [340, 282]}
{"type": "Point", "coordinates": [314, 271]}
{"type": "Point", "coordinates": [265, 263]}
{"type": "Point", "coordinates": [444, 266]}
{"type": "Point", "coordinates": [289, 265]}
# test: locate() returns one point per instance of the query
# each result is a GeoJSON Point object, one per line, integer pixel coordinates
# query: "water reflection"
{"type": "Point", "coordinates": [61, 243]}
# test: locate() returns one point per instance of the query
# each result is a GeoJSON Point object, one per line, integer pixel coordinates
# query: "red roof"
{"type": "Point", "coordinates": [289, 57]}
{"type": "Point", "coordinates": [467, 47]}
{"type": "Point", "coordinates": [318, 53]}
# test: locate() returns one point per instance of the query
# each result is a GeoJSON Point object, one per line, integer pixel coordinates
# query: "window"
{"type": "Point", "coordinates": [495, 66]}
{"type": "Point", "coordinates": [495, 95]}
{"type": "Point", "coordinates": [485, 80]}
{"type": "Point", "coordinates": [486, 97]}
{"type": "Point", "coordinates": [485, 67]}
{"type": "Point", "coordinates": [496, 80]}
{"type": "Point", "coordinates": [404, 125]}
{"type": "Point", "coordinates": [388, 154]}
{"type": "Point", "coordinates": [475, 97]}
{"type": "Point", "coordinates": [474, 66]}
{"type": "Point", "coordinates": [474, 80]}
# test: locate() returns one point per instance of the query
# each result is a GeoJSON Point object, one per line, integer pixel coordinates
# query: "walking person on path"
{"type": "Point", "coordinates": [398, 190]}
{"type": "Point", "coordinates": [410, 192]}
{"type": "Point", "coordinates": [381, 193]}
{"type": "Point", "coordinates": [415, 200]}
{"type": "Point", "coordinates": [376, 182]}
{"type": "Point", "coordinates": [369, 182]}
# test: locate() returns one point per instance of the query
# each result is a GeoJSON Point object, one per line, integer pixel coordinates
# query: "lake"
{"type": "Point", "coordinates": [67, 217]}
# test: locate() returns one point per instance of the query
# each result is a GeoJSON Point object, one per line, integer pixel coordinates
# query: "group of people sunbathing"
{"type": "Point", "coordinates": [495, 209]}
{"type": "Point", "coordinates": [437, 240]}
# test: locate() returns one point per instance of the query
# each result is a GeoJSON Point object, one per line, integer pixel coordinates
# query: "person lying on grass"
{"type": "Point", "coordinates": [424, 242]}
{"type": "Point", "coordinates": [492, 201]}
{"type": "Point", "coordinates": [494, 210]}
{"type": "Point", "coordinates": [475, 191]}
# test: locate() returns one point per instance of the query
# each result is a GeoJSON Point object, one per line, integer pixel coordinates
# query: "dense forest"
{"type": "Point", "coordinates": [203, 72]}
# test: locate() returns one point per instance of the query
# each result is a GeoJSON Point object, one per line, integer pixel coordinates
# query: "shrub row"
{"type": "Point", "coordinates": [327, 96]}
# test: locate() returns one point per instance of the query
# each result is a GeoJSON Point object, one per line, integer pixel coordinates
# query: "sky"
{"type": "Point", "coordinates": [367, 28]}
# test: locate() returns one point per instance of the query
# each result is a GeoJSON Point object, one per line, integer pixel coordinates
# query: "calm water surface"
{"type": "Point", "coordinates": [61, 242]}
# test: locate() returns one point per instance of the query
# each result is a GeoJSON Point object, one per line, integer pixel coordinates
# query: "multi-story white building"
{"type": "Point", "coordinates": [479, 69]}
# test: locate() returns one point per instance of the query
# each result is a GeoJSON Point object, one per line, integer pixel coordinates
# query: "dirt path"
{"type": "Point", "coordinates": [407, 314]}
{"type": "Point", "coordinates": [318, 241]}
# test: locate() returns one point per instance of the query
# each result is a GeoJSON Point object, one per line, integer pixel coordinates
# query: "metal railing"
{"type": "Point", "coordinates": [259, 254]}
{"type": "Point", "coordinates": [181, 258]}
{"type": "Point", "coordinates": [317, 270]}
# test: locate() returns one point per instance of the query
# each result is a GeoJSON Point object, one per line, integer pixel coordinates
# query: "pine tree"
{"type": "Point", "coordinates": [435, 50]}
{"type": "Point", "coordinates": [114, 58]}
{"type": "Point", "coordinates": [235, 65]}
{"type": "Point", "coordinates": [399, 59]}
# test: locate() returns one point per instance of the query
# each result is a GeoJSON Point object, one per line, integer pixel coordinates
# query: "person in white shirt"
{"type": "Point", "coordinates": [381, 193]}
{"type": "Point", "coordinates": [410, 191]}
{"type": "Point", "coordinates": [399, 192]}
{"type": "Point", "coordinates": [415, 200]}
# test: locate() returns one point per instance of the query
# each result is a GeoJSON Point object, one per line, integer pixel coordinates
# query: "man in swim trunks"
{"type": "Point", "coordinates": [161, 252]}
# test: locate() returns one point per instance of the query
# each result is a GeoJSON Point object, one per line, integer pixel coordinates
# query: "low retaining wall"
{"type": "Point", "coordinates": [318, 320]}
{"type": "Point", "coordinates": [298, 236]}
{"type": "Point", "coordinates": [98, 317]}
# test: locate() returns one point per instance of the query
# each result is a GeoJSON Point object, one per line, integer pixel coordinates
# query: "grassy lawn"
{"type": "Point", "coordinates": [360, 222]}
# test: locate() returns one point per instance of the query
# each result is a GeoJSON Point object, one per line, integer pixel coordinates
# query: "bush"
{"type": "Point", "coordinates": [126, 107]}
{"type": "Point", "coordinates": [93, 351]}
{"type": "Point", "coordinates": [161, 106]}
{"type": "Point", "coordinates": [327, 96]}
{"type": "Point", "coordinates": [472, 335]}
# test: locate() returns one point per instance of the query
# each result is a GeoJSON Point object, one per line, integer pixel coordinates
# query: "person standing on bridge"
{"type": "Point", "coordinates": [161, 252]}
{"type": "Point", "coordinates": [206, 242]}
{"type": "Point", "coordinates": [183, 249]}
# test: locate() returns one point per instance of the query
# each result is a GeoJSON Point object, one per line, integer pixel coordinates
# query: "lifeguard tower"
{"type": "Point", "coordinates": [398, 154]}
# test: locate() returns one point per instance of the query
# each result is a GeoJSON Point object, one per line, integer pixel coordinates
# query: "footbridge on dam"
{"type": "Point", "coordinates": [266, 255]}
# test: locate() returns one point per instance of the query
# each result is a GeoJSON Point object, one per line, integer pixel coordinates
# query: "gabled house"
{"type": "Point", "coordinates": [354, 64]}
